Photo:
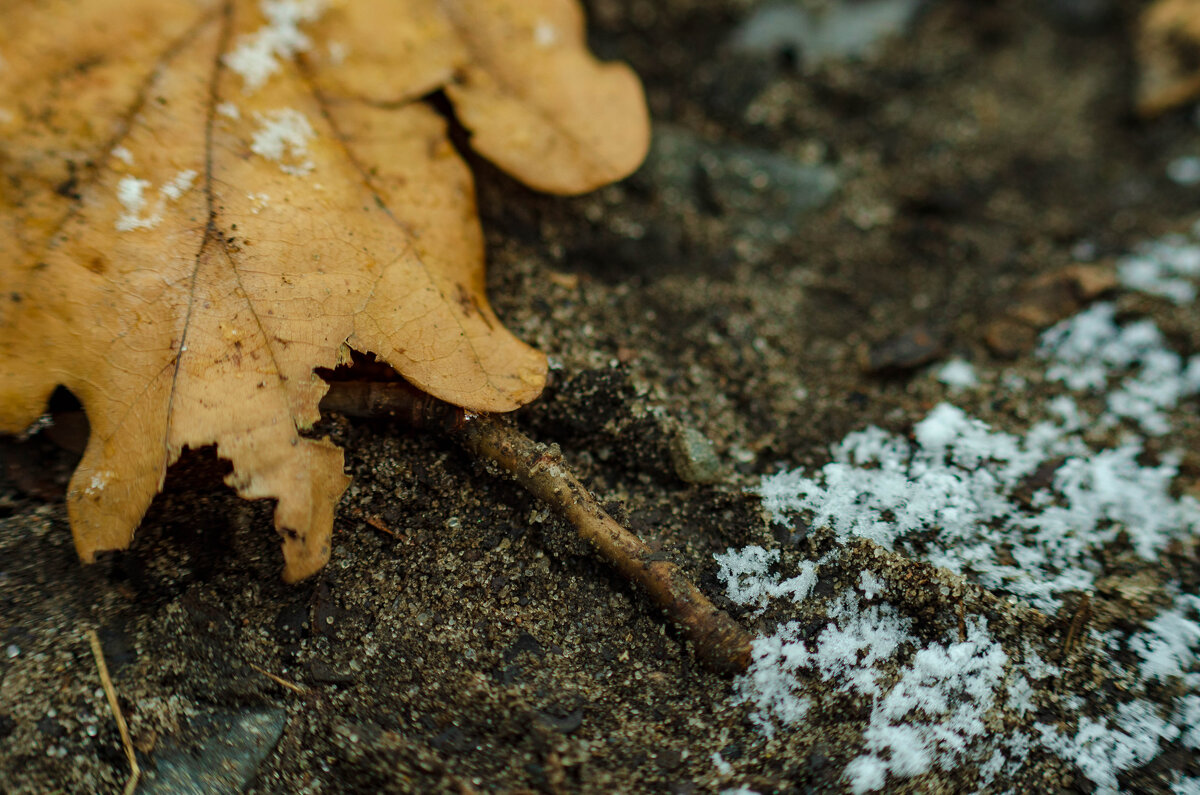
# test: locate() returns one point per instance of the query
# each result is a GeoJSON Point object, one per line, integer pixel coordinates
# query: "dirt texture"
{"type": "Point", "coordinates": [461, 639]}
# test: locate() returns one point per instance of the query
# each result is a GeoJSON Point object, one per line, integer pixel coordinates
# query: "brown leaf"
{"type": "Point", "coordinates": [202, 202]}
{"type": "Point", "coordinates": [1168, 55]}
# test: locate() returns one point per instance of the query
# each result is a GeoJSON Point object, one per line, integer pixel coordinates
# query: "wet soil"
{"type": "Point", "coordinates": [461, 638]}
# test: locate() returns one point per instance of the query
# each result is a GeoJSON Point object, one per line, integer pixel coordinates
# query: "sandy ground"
{"type": "Point", "coordinates": [461, 639]}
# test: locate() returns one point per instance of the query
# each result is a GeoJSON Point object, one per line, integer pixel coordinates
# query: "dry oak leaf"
{"type": "Point", "coordinates": [201, 201]}
{"type": "Point", "coordinates": [1167, 46]}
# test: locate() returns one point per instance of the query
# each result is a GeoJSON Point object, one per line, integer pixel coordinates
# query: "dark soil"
{"type": "Point", "coordinates": [461, 639]}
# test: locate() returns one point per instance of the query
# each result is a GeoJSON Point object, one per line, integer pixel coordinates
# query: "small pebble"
{"type": "Point", "coordinates": [1184, 171]}
{"type": "Point", "coordinates": [693, 457]}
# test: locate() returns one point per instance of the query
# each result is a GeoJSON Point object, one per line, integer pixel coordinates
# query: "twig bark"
{"type": "Point", "coordinates": [720, 643]}
{"type": "Point", "coordinates": [279, 680]}
{"type": "Point", "coordinates": [135, 772]}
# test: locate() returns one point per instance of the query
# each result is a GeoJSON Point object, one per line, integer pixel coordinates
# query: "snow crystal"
{"type": "Point", "coordinates": [1102, 751]}
{"type": "Point", "coordinates": [1189, 718]}
{"type": "Point", "coordinates": [1186, 786]}
{"type": "Point", "coordinates": [1020, 695]}
{"type": "Point", "coordinates": [1085, 349]}
{"type": "Point", "coordinates": [846, 652]}
{"type": "Point", "coordinates": [871, 585]}
{"type": "Point", "coordinates": [255, 58]}
{"type": "Point", "coordinates": [958, 488]}
{"type": "Point", "coordinates": [283, 137]}
{"type": "Point", "coordinates": [179, 185]}
{"type": "Point", "coordinates": [259, 202]}
{"type": "Point", "coordinates": [958, 374]}
{"type": "Point", "coordinates": [927, 717]}
{"type": "Point", "coordinates": [1085, 352]}
{"type": "Point", "coordinates": [748, 582]}
{"type": "Point", "coordinates": [951, 687]}
{"type": "Point", "coordinates": [1168, 267]}
{"type": "Point", "coordinates": [99, 482]}
{"type": "Point", "coordinates": [131, 193]}
{"type": "Point", "coordinates": [46, 420]}
{"type": "Point", "coordinates": [1168, 646]}
{"type": "Point", "coordinates": [723, 767]}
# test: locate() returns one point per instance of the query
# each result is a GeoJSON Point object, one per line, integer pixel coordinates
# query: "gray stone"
{"type": "Point", "coordinates": [219, 753]}
{"type": "Point", "coordinates": [847, 29]}
{"type": "Point", "coordinates": [761, 192]}
{"type": "Point", "coordinates": [694, 459]}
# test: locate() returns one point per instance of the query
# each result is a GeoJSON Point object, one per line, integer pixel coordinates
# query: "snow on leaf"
{"type": "Point", "coordinates": [199, 207]}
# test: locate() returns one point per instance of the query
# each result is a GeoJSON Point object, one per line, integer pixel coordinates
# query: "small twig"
{"type": "Point", "coordinates": [375, 522]}
{"type": "Point", "coordinates": [135, 772]}
{"type": "Point", "coordinates": [1083, 611]}
{"type": "Point", "coordinates": [279, 680]}
{"type": "Point", "coordinates": [719, 641]}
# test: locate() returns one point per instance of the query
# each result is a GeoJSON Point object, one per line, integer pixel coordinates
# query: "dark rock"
{"type": "Point", "coordinates": [1086, 16]}
{"type": "Point", "coordinates": [524, 642]}
{"type": "Point", "coordinates": [323, 673]}
{"type": "Point", "coordinates": [562, 725]}
{"type": "Point", "coordinates": [219, 752]}
{"type": "Point", "coordinates": [759, 191]}
{"type": "Point", "coordinates": [907, 350]}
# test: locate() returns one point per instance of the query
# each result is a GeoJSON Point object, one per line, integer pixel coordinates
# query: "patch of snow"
{"type": "Point", "coordinates": [1186, 786]}
{"type": "Point", "coordinates": [1031, 515]}
{"type": "Point", "coordinates": [255, 57]}
{"type": "Point", "coordinates": [958, 374]}
{"type": "Point", "coordinates": [958, 487]}
{"type": "Point", "coordinates": [952, 688]}
{"type": "Point", "coordinates": [929, 716]}
{"type": "Point", "coordinates": [283, 136]}
{"type": "Point", "coordinates": [338, 52]}
{"type": "Point", "coordinates": [1169, 644]}
{"type": "Point", "coordinates": [123, 154]}
{"type": "Point", "coordinates": [131, 193]}
{"type": "Point", "coordinates": [1188, 717]}
{"type": "Point", "coordinates": [1168, 267]}
{"type": "Point", "coordinates": [98, 482]}
{"type": "Point", "coordinates": [229, 110]}
{"type": "Point", "coordinates": [259, 202]}
{"type": "Point", "coordinates": [1088, 351]}
{"type": "Point", "coordinates": [723, 767]}
{"type": "Point", "coordinates": [1102, 750]}
{"type": "Point", "coordinates": [43, 422]}
{"type": "Point", "coordinates": [747, 581]}
{"type": "Point", "coordinates": [179, 185]}
{"type": "Point", "coordinates": [870, 584]}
